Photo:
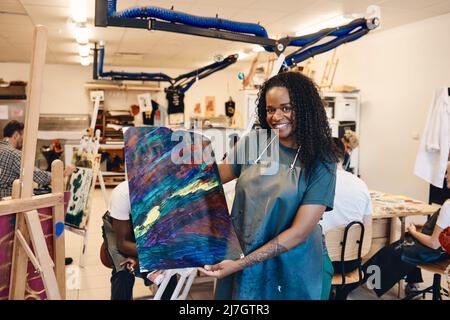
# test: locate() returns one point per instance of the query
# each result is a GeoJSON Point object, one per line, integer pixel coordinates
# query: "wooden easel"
{"type": "Point", "coordinates": [89, 149]}
{"type": "Point", "coordinates": [24, 204]}
{"type": "Point", "coordinates": [329, 72]}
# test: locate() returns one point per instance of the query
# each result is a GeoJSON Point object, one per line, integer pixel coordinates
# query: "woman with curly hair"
{"type": "Point", "coordinates": [276, 215]}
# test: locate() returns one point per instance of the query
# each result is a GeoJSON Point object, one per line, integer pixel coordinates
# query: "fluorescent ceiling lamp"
{"type": "Point", "coordinates": [84, 49]}
{"type": "Point", "coordinates": [81, 34]}
{"type": "Point", "coordinates": [258, 49]}
{"type": "Point", "coordinates": [330, 23]}
{"type": "Point", "coordinates": [85, 61]}
{"type": "Point", "coordinates": [242, 55]}
{"type": "Point", "coordinates": [78, 10]}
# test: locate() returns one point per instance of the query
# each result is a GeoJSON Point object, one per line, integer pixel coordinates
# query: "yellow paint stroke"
{"type": "Point", "coordinates": [194, 187]}
{"type": "Point", "coordinates": [152, 216]}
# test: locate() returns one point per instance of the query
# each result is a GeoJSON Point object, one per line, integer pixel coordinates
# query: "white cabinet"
{"type": "Point", "coordinates": [343, 112]}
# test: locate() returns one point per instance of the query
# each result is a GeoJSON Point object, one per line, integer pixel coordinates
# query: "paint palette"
{"type": "Point", "coordinates": [178, 208]}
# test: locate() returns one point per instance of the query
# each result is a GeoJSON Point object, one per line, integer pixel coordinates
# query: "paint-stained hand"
{"type": "Point", "coordinates": [222, 269]}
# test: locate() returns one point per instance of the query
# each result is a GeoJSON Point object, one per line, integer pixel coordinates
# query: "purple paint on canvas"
{"type": "Point", "coordinates": [179, 212]}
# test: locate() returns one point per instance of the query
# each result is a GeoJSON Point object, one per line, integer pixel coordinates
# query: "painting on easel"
{"type": "Point", "coordinates": [79, 187]}
{"type": "Point", "coordinates": [179, 212]}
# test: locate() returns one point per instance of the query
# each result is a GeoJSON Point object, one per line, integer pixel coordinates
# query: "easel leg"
{"type": "Point", "coordinates": [84, 248]}
{"type": "Point", "coordinates": [42, 255]}
{"type": "Point", "coordinates": [20, 257]}
{"type": "Point", "coordinates": [102, 186]}
{"type": "Point", "coordinates": [59, 250]}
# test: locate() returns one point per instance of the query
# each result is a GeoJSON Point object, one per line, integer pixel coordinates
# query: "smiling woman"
{"type": "Point", "coordinates": [276, 216]}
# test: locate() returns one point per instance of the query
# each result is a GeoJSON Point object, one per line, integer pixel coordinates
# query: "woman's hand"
{"type": "Point", "coordinates": [222, 269]}
{"type": "Point", "coordinates": [412, 228]}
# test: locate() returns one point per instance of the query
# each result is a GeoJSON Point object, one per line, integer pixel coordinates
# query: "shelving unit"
{"type": "Point", "coordinates": [110, 122]}
{"type": "Point", "coordinates": [343, 111]}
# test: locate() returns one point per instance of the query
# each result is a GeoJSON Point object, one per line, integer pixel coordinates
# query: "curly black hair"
{"type": "Point", "coordinates": [313, 133]}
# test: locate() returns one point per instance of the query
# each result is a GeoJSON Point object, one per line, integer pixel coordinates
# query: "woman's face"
{"type": "Point", "coordinates": [280, 114]}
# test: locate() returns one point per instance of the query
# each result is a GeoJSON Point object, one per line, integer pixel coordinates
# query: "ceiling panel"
{"type": "Point", "coordinates": [163, 49]}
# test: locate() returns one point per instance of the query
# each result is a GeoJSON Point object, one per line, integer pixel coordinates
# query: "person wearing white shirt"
{"type": "Point", "coordinates": [352, 200]}
{"type": "Point", "coordinates": [400, 259]}
{"type": "Point", "coordinates": [119, 251]}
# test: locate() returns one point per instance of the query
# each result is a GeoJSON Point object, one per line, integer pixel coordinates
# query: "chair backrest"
{"type": "Point", "coordinates": [336, 239]}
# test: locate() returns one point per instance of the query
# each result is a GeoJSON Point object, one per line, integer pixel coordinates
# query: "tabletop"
{"type": "Point", "coordinates": [397, 206]}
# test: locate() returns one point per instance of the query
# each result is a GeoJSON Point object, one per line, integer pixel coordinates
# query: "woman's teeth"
{"type": "Point", "coordinates": [281, 126]}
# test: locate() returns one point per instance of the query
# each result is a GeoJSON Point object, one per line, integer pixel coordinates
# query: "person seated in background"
{"type": "Point", "coordinates": [52, 152]}
{"type": "Point", "coordinates": [351, 142]}
{"type": "Point", "coordinates": [400, 259]}
{"type": "Point", "coordinates": [119, 250]}
{"type": "Point", "coordinates": [352, 202]}
{"type": "Point", "coordinates": [11, 156]}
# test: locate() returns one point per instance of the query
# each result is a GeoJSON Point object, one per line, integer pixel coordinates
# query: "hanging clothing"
{"type": "Point", "coordinates": [264, 207]}
{"type": "Point", "coordinates": [432, 158]}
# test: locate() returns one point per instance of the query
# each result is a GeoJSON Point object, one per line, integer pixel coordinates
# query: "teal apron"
{"type": "Point", "coordinates": [265, 206]}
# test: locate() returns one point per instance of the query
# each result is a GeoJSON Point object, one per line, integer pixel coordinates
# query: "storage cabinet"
{"type": "Point", "coordinates": [343, 112]}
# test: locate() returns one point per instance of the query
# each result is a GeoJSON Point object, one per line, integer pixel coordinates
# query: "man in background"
{"type": "Point", "coordinates": [10, 160]}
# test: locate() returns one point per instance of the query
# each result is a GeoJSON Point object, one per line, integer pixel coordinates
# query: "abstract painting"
{"type": "Point", "coordinates": [80, 185]}
{"type": "Point", "coordinates": [178, 210]}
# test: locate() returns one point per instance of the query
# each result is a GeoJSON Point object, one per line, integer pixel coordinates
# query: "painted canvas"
{"type": "Point", "coordinates": [80, 184]}
{"type": "Point", "coordinates": [179, 212]}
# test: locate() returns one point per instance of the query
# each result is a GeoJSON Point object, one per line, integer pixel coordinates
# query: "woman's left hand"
{"type": "Point", "coordinates": [222, 269]}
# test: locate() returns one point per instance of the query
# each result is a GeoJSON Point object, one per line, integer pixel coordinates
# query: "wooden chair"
{"type": "Point", "coordinates": [346, 244]}
{"type": "Point", "coordinates": [439, 268]}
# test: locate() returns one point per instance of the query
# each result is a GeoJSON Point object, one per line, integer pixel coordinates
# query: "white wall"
{"type": "Point", "coordinates": [64, 92]}
{"type": "Point", "coordinates": [397, 71]}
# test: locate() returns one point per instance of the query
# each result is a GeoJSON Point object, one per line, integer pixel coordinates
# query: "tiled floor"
{"type": "Point", "coordinates": [92, 281]}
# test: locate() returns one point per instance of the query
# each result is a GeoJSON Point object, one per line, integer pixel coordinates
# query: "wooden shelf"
{"type": "Point", "coordinates": [121, 86]}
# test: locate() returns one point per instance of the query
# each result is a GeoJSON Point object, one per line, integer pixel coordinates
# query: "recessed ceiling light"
{"type": "Point", "coordinates": [84, 49]}
{"type": "Point", "coordinates": [81, 34]}
{"type": "Point", "coordinates": [85, 61]}
{"type": "Point", "coordinates": [78, 10]}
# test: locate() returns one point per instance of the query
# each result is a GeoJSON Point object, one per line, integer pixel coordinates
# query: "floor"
{"type": "Point", "coordinates": [92, 281]}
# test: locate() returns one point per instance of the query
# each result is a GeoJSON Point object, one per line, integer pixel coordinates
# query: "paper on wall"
{"type": "Point", "coordinates": [3, 112]}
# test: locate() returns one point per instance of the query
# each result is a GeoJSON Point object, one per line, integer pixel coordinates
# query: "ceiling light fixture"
{"type": "Point", "coordinates": [81, 34]}
{"type": "Point", "coordinates": [84, 49]}
{"type": "Point", "coordinates": [258, 49]}
{"type": "Point", "coordinates": [78, 10]}
{"type": "Point", "coordinates": [242, 55]}
{"type": "Point", "coordinates": [85, 61]}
